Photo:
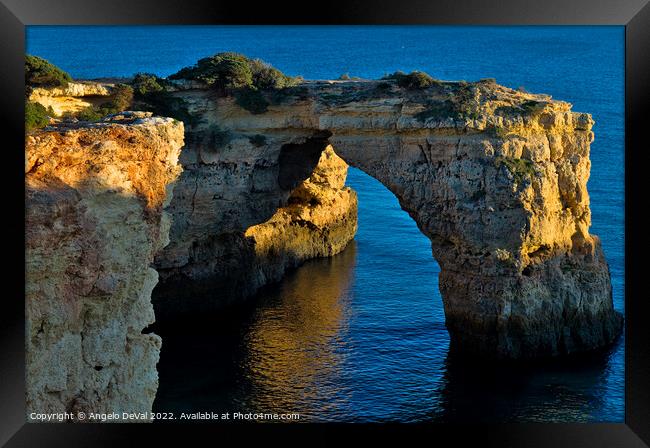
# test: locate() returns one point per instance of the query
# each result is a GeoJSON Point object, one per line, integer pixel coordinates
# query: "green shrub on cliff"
{"type": "Point", "coordinates": [250, 81]}
{"type": "Point", "coordinates": [122, 99]}
{"type": "Point", "coordinates": [266, 77]}
{"type": "Point", "coordinates": [347, 77]}
{"type": "Point", "coordinates": [229, 70]}
{"type": "Point", "coordinates": [41, 73]}
{"type": "Point", "coordinates": [464, 100]}
{"type": "Point", "coordinates": [89, 114]}
{"type": "Point", "coordinates": [146, 83]}
{"type": "Point", "coordinates": [167, 105]}
{"type": "Point", "coordinates": [252, 100]}
{"type": "Point", "coordinates": [36, 116]}
{"type": "Point", "coordinates": [223, 71]}
{"type": "Point", "coordinates": [413, 80]}
{"type": "Point", "coordinates": [150, 94]}
{"type": "Point", "coordinates": [461, 105]}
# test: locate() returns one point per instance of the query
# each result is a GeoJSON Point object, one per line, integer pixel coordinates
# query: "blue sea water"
{"type": "Point", "coordinates": [361, 336]}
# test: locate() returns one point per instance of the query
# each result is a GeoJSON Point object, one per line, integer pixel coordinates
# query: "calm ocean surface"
{"type": "Point", "coordinates": [361, 336]}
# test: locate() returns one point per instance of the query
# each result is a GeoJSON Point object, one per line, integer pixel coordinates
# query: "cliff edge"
{"type": "Point", "coordinates": [94, 219]}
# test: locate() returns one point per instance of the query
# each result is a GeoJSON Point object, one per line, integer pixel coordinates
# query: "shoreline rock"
{"type": "Point", "coordinates": [319, 220]}
{"type": "Point", "coordinates": [94, 220]}
{"type": "Point", "coordinates": [74, 98]}
{"type": "Point", "coordinates": [496, 178]}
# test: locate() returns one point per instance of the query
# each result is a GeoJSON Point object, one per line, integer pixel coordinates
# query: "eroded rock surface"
{"type": "Point", "coordinates": [495, 178]}
{"type": "Point", "coordinates": [94, 220]}
{"type": "Point", "coordinates": [75, 97]}
{"type": "Point", "coordinates": [233, 262]}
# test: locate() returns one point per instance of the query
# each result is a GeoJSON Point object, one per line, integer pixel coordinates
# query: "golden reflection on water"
{"type": "Point", "coordinates": [295, 341]}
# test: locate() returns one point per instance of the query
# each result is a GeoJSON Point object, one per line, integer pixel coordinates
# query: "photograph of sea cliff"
{"type": "Point", "coordinates": [324, 224]}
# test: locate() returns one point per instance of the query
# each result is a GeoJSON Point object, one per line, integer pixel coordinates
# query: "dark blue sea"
{"type": "Point", "coordinates": [361, 336]}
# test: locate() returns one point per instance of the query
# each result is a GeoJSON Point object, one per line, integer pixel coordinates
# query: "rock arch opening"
{"type": "Point", "coordinates": [500, 296]}
{"type": "Point", "coordinates": [499, 190]}
{"type": "Point", "coordinates": [301, 210]}
{"type": "Point", "coordinates": [496, 179]}
{"type": "Point", "coordinates": [323, 326]}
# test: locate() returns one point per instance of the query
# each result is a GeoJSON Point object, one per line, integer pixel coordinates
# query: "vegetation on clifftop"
{"type": "Point", "coordinates": [248, 80]}
{"type": "Point", "coordinates": [122, 99]}
{"type": "Point", "coordinates": [36, 116]}
{"type": "Point", "coordinates": [233, 71]}
{"type": "Point", "coordinates": [41, 73]}
{"type": "Point", "coordinates": [461, 105]}
{"type": "Point", "coordinates": [146, 83]}
{"type": "Point", "coordinates": [413, 80]}
{"type": "Point", "coordinates": [151, 94]}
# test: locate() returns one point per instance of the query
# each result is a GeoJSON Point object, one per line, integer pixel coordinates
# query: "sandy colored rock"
{"type": "Point", "coordinates": [94, 220]}
{"type": "Point", "coordinates": [74, 98]}
{"type": "Point", "coordinates": [496, 178]}
{"type": "Point", "coordinates": [319, 220]}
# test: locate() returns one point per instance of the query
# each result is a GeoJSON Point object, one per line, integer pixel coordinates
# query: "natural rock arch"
{"type": "Point", "coordinates": [495, 178]}
{"type": "Point", "coordinates": [502, 296]}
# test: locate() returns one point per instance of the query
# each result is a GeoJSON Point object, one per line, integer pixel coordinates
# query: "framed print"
{"type": "Point", "coordinates": [406, 218]}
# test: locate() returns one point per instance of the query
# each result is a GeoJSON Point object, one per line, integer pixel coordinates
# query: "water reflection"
{"type": "Point", "coordinates": [296, 340]}
{"type": "Point", "coordinates": [278, 355]}
{"type": "Point", "coordinates": [361, 337]}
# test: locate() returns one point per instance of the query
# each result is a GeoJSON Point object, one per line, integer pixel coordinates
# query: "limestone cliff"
{"type": "Point", "coordinates": [94, 220]}
{"type": "Point", "coordinates": [495, 178]}
{"type": "Point", "coordinates": [75, 97]}
{"type": "Point", "coordinates": [230, 264]}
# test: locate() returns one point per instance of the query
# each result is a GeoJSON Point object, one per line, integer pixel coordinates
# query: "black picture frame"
{"type": "Point", "coordinates": [633, 14]}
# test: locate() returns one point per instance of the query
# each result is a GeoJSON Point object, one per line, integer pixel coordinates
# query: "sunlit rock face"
{"type": "Point", "coordinates": [230, 263]}
{"type": "Point", "coordinates": [75, 97]}
{"type": "Point", "coordinates": [495, 178]}
{"type": "Point", "coordinates": [94, 220]}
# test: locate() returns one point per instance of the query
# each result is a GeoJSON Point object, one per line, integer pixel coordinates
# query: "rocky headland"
{"type": "Point", "coordinates": [495, 178]}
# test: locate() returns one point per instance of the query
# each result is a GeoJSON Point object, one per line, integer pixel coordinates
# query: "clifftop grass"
{"type": "Point", "coordinates": [521, 169]}
{"type": "Point", "coordinates": [460, 105]}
